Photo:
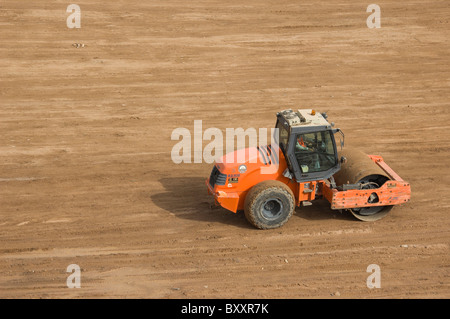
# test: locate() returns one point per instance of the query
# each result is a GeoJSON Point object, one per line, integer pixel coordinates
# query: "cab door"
{"type": "Point", "coordinates": [313, 155]}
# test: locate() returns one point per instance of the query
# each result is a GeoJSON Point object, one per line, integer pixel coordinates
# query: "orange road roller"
{"type": "Point", "coordinates": [301, 164]}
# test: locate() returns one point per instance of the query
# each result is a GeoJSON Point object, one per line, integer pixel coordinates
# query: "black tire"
{"type": "Point", "coordinates": [269, 204]}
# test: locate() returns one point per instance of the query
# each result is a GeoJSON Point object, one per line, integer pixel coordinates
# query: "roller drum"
{"type": "Point", "coordinates": [360, 169]}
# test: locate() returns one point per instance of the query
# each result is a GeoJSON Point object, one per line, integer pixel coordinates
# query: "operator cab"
{"type": "Point", "coordinates": [308, 144]}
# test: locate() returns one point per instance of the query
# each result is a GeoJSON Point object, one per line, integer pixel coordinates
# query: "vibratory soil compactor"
{"type": "Point", "coordinates": [302, 164]}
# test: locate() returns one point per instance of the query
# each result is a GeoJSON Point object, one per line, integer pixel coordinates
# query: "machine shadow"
{"type": "Point", "coordinates": [188, 198]}
{"type": "Point", "coordinates": [320, 210]}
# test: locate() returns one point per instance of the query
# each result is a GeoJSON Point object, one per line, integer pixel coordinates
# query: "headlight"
{"type": "Point", "coordinates": [242, 169]}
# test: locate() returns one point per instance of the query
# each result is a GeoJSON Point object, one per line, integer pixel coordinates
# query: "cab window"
{"type": "Point", "coordinates": [315, 151]}
{"type": "Point", "coordinates": [281, 138]}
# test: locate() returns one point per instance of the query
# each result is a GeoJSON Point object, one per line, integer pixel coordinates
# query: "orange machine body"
{"type": "Point", "coordinates": [266, 163]}
{"type": "Point", "coordinates": [262, 163]}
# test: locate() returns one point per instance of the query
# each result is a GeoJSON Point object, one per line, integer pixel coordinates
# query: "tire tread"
{"type": "Point", "coordinates": [262, 189]}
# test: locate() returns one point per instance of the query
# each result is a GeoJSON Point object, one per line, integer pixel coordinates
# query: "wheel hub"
{"type": "Point", "coordinates": [272, 208]}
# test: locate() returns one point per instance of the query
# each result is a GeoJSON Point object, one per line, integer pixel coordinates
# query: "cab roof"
{"type": "Point", "coordinates": [305, 118]}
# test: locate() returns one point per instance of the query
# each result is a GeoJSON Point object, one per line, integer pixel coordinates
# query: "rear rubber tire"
{"type": "Point", "coordinates": [269, 204]}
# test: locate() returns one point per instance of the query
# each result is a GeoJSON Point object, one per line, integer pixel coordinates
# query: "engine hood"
{"type": "Point", "coordinates": [253, 158]}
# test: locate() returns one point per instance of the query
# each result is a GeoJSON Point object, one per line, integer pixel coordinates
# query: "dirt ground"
{"type": "Point", "coordinates": [86, 175]}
